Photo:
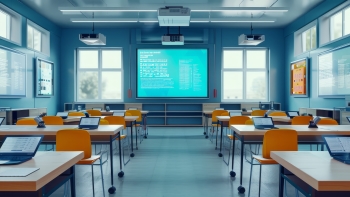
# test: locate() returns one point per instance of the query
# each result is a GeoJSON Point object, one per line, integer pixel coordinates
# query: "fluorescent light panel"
{"type": "Point", "coordinates": [102, 20]}
{"type": "Point", "coordinates": [104, 9]}
{"type": "Point", "coordinates": [242, 20]}
{"type": "Point", "coordinates": [248, 9]}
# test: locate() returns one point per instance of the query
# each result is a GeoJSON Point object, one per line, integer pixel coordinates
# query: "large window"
{"type": "Point", "coordinates": [4, 24]}
{"type": "Point", "coordinates": [309, 39]}
{"type": "Point", "coordinates": [244, 75]}
{"type": "Point", "coordinates": [305, 39]}
{"type": "Point", "coordinates": [99, 75]}
{"type": "Point", "coordinates": [33, 38]}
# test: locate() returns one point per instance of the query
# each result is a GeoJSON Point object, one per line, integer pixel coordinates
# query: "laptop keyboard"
{"type": "Point", "coordinates": [15, 158]}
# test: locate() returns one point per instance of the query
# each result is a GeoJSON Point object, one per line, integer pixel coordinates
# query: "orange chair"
{"type": "Point", "coordinates": [76, 114]}
{"type": "Point", "coordinates": [79, 140]}
{"type": "Point", "coordinates": [215, 123]}
{"type": "Point", "coordinates": [94, 112]}
{"type": "Point", "coordinates": [26, 121]}
{"type": "Point", "coordinates": [138, 124]}
{"type": "Point", "coordinates": [274, 140]}
{"type": "Point", "coordinates": [119, 120]}
{"type": "Point", "coordinates": [249, 122]}
{"type": "Point", "coordinates": [259, 112]}
{"type": "Point", "coordinates": [278, 113]}
{"type": "Point", "coordinates": [301, 120]}
{"type": "Point", "coordinates": [327, 121]}
{"type": "Point", "coordinates": [104, 122]}
{"type": "Point", "coordinates": [53, 120]}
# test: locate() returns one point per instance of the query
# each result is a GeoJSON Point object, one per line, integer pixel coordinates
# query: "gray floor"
{"type": "Point", "coordinates": [176, 161]}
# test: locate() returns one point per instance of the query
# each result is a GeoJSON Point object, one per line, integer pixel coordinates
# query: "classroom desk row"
{"type": "Point", "coordinates": [247, 134]}
{"type": "Point", "coordinates": [105, 134]}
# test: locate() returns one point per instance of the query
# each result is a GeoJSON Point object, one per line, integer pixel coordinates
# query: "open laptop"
{"type": "Point", "coordinates": [118, 114]}
{"type": "Point", "coordinates": [18, 149]}
{"type": "Point", "coordinates": [2, 120]}
{"type": "Point", "coordinates": [89, 123]}
{"type": "Point", "coordinates": [97, 108]}
{"type": "Point", "coordinates": [255, 108]}
{"type": "Point", "coordinates": [292, 114]}
{"type": "Point", "coordinates": [348, 118]}
{"type": "Point", "coordinates": [63, 115]}
{"type": "Point", "coordinates": [338, 147]}
{"type": "Point", "coordinates": [263, 123]}
{"type": "Point", "coordinates": [235, 114]}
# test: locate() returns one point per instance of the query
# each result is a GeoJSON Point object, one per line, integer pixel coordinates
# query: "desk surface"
{"type": "Point", "coordinates": [248, 112]}
{"type": "Point", "coordinates": [111, 111]}
{"type": "Point", "coordinates": [301, 129]}
{"type": "Point", "coordinates": [274, 118]}
{"type": "Point", "coordinates": [52, 129]}
{"type": "Point", "coordinates": [316, 168]}
{"type": "Point", "coordinates": [51, 165]}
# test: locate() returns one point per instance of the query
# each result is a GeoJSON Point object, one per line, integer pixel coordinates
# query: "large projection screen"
{"type": "Point", "coordinates": [172, 73]}
{"type": "Point", "coordinates": [334, 72]}
{"type": "Point", "coordinates": [12, 73]}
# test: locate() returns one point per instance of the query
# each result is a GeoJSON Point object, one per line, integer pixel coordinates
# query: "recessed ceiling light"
{"type": "Point", "coordinates": [104, 9]}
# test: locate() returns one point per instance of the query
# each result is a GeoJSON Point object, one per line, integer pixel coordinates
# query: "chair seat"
{"type": "Point", "coordinates": [121, 137]}
{"type": "Point", "coordinates": [263, 160]}
{"type": "Point", "coordinates": [231, 137]}
{"type": "Point", "coordinates": [89, 161]}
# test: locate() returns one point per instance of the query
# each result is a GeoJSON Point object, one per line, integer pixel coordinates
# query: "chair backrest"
{"type": "Point", "coordinates": [249, 122]}
{"type": "Point", "coordinates": [215, 113]}
{"type": "Point", "coordinates": [278, 113]}
{"type": "Point", "coordinates": [327, 121]}
{"type": "Point", "coordinates": [76, 114]}
{"type": "Point", "coordinates": [259, 112]}
{"type": "Point", "coordinates": [279, 140]}
{"type": "Point", "coordinates": [53, 120]}
{"type": "Point", "coordinates": [104, 122]}
{"type": "Point", "coordinates": [135, 113]}
{"type": "Point", "coordinates": [116, 120]}
{"type": "Point", "coordinates": [301, 120]}
{"type": "Point", "coordinates": [238, 120]}
{"type": "Point", "coordinates": [26, 121]}
{"type": "Point", "coordinates": [74, 140]}
{"type": "Point", "coordinates": [94, 112]}
{"type": "Point", "coordinates": [225, 113]}
{"type": "Point", "coordinates": [127, 114]}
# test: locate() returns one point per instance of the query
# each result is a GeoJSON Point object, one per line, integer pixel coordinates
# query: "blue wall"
{"type": "Point", "coordinates": [213, 39]}
{"type": "Point", "coordinates": [31, 101]}
{"type": "Point", "coordinates": [313, 101]}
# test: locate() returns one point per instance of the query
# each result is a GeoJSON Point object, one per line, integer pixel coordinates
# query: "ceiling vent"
{"type": "Point", "coordinates": [174, 16]}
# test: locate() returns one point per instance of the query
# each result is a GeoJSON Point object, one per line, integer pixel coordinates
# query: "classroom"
{"type": "Point", "coordinates": [168, 98]}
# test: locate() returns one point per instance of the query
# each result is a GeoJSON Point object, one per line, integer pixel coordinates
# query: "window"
{"type": "Point", "coordinates": [99, 75]}
{"type": "Point", "coordinates": [305, 39]}
{"type": "Point", "coordinates": [4, 25]}
{"type": "Point", "coordinates": [336, 26]}
{"type": "Point", "coordinates": [244, 75]}
{"type": "Point", "coordinates": [347, 21]}
{"type": "Point", "coordinates": [38, 38]}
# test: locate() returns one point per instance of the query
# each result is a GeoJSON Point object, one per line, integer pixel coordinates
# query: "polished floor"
{"type": "Point", "coordinates": [176, 162]}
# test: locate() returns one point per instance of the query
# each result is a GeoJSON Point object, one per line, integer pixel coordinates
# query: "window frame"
{"type": "Point", "coordinates": [41, 37]}
{"type": "Point", "coordinates": [244, 71]}
{"type": "Point", "coordinates": [8, 24]}
{"type": "Point", "coordinates": [331, 26]}
{"type": "Point", "coordinates": [298, 39]}
{"type": "Point", "coordinates": [99, 69]}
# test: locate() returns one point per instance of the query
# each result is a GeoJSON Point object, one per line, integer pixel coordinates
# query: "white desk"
{"type": "Point", "coordinates": [315, 173]}
{"type": "Point", "coordinates": [55, 169]}
{"type": "Point", "coordinates": [247, 134]}
{"type": "Point", "coordinates": [105, 134]}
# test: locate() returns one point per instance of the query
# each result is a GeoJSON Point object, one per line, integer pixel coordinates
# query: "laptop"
{"type": "Point", "coordinates": [89, 123]}
{"type": "Point", "coordinates": [132, 108]}
{"type": "Point", "coordinates": [263, 123]}
{"type": "Point", "coordinates": [255, 108]}
{"type": "Point", "coordinates": [346, 118]}
{"type": "Point", "coordinates": [338, 147]}
{"type": "Point", "coordinates": [118, 114]}
{"type": "Point", "coordinates": [2, 120]}
{"type": "Point", "coordinates": [235, 114]}
{"type": "Point", "coordinates": [97, 108]}
{"type": "Point", "coordinates": [63, 115]}
{"type": "Point", "coordinates": [292, 114]}
{"type": "Point", "coordinates": [18, 149]}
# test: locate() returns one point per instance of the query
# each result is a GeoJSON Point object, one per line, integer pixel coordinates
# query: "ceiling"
{"type": "Point", "coordinates": [50, 9]}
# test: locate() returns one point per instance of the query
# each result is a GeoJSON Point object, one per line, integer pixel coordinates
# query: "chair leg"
{"type": "Point", "coordinates": [103, 184]}
{"type": "Point", "coordinates": [260, 180]}
{"type": "Point", "coordinates": [93, 182]}
{"type": "Point", "coordinates": [250, 177]}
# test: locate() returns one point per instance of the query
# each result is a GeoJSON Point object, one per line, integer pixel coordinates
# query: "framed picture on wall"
{"type": "Point", "coordinates": [299, 79]}
{"type": "Point", "coordinates": [44, 78]}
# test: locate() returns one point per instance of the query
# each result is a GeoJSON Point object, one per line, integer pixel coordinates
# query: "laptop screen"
{"type": "Point", "coordinates": [118, 113]}
{"type": "Point", "coordinates": [338, 144]}
{"type": "Point", "coordinates": [263, 121]}
{"type": "Point", "coordinates": [1, 120]}
{"type": "Point", "coordinates": [21, 144]}
{"type": "Point", "coordinates": [235, 114]}
{"type": "Point", "coordinates": [348, 118]}
{"type": "Point", "coordinates": [89, 121]}
{"type": "Point", "coordinates": [293, 113]}
{"type": "Point", "coordinates": [62, 114]}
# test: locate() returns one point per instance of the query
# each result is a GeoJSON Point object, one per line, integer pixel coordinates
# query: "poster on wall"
{"type": "Point", "coordinates": [299, 78]}
{"type": "Point", "coordinates": [44, 78]}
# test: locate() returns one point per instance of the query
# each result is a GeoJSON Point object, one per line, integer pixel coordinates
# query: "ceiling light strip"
{"type": "Point", "coordinates": [104, 9]}
{"type": "Point", "coordinates": [247, 9]}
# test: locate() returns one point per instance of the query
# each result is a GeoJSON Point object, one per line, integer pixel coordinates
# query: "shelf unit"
{"type": "Point", "coordinates": [324, 112]}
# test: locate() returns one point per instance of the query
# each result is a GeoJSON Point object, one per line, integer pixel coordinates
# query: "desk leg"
{"type": "Point", "coordinates": [72, 182]}
{"type": "Point", "coordinates": [204, 133]}
{"type": "Point", "coordinates": [281, 181]}
{"type": "Point", "coordinates": [217, 131]}
{"type": "Point", "coordinates": [221, 122]}
{"type": "Point", "coordinates": [232, 173]}
{"type": "Point", "coordinates": [136, 135]}
{"type": "Point", "coordinates": [241, 189]}
{"type": "Point", "coordinates": [132, 141]}
{"type": "Point", "coordinates": [144, 124]}
{"type": "Point", "coordinates": [206, 126]}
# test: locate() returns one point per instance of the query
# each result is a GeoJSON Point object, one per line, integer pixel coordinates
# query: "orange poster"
{"type": "Point", "coordinates": [298, 78]}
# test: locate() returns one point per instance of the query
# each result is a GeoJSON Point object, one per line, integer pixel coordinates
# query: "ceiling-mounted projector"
{"type": "Point", "coordinates": [250, 39]}
{"type": "Point", "coordinates": [93, 39]}
{"type": "Point", "coordinates": [174, 16]}
{"type": "Point", "coordinates": [173, 39]}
